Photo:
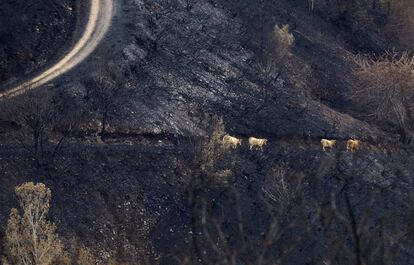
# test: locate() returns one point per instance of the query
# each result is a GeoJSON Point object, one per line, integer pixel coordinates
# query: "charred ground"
{"type": "Point", "coordinates": [32, 33]}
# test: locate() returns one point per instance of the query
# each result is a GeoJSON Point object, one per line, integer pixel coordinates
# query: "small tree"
{"type": "Point", "coordinates": [275, 49]}
{"type": "Point", "coordinates": [30, 238]}
{"type": "Point", "coordinates": [106, 89]}
{"type": "Point", "coordinates": [213, 148]}
{"type": "Point", "coordinates": [385, 90]}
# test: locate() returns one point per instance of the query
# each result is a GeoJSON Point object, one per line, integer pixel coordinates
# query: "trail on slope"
{"type": "Point", "coordinates": [100, 17]}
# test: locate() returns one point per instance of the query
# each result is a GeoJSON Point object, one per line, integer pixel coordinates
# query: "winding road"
{"type": "Point", "coordinates": [100, 17]}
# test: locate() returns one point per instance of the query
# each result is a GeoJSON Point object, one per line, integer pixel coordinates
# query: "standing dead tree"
{"type": "Point", "coordinates": [223, 237]}
{"type": "Point", "coordinates": [311, 5]}
{"type": "Point", "coordinates": [355, 233]}
{"type": "Point", "coordinates": [106, 90]}
{"type": "Point", "coordinates": [356, 224]}
{"type": "Point", "coordinates": [44, 121]}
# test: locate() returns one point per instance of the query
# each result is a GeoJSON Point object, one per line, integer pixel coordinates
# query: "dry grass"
{"type": "Point", "coordinates": [384, 89]}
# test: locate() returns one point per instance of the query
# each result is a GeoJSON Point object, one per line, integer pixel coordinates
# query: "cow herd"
{"type": "Point", "coordinates": [231, 141]}
{"type": "Point", "coordinates": [351, 145]}
{"type": "Point", "coordinates": [257, 143]}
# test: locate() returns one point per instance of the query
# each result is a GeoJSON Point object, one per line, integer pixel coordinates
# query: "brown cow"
{"type": "Point", "coordinates": [352, 145]}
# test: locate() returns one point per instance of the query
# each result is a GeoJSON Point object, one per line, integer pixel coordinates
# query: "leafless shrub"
{"type": "Point", "coordinates": [281, 187]}
{"type": "Point", "coordinates": [384, 90]}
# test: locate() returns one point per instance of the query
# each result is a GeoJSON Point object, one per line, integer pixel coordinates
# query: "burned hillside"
{"type": "Point", "coordinates": [131, 142]}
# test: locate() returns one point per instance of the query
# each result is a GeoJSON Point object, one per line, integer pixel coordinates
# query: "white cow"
{"type": "Point", "coordinates": [327, 144]}
{"type": "Point", "coordinates": [256, 142]}
{"type": "Point", "coordinates": [231, 141]}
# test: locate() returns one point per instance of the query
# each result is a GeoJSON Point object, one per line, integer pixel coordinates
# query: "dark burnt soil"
{"type": "Point", "coordinates": [131, 200]}
{"type": "Point", "coordinates": [205, 60]}
{"type": "Point", "coordinates": [32, 32]}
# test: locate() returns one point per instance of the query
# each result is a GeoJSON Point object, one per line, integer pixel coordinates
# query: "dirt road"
{"type": "Point", "coordinates": [100, 17]}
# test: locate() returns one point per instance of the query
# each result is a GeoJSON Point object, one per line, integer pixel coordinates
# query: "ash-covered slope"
{"type": "Point", "coordinates": [205, 59]}
{"type": "Point", "coordinates": [31, 33]}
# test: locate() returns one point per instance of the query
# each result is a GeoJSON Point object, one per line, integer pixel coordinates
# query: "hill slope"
{"type": "Point", "coordinates": [129, 197]}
